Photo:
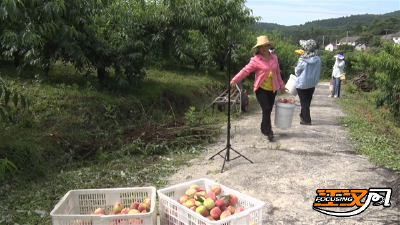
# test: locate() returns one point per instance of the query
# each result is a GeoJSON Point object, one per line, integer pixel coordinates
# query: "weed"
{"type": "Point", "coordinates": [213, 172]}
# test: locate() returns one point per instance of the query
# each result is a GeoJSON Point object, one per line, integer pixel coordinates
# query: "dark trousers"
{"type": "Point", "coordinates": [336, 86]}
{"type": "Point", "coordinates": [266, 99]}
{"type": "Point", "coordinates": [305, 96]}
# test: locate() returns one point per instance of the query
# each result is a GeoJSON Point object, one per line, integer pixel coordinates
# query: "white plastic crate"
{"type": "Point", "coordinates": [173, 213]}
{"type": "Point", "coordinates": [74, 207]}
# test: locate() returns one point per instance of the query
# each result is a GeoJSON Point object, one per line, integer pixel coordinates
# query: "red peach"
{"type": "Point", "coordinates": [232, 200]}
{"type": "Point", "coordinates": [99, 211]}
{"type": "Point", "coordinates": [221, 204]}
{"type": "Point", "coordinates": [135, 205]}
{"type": "Point", "coordinates": [124, 211]}
{"type": "Point", "coordinates": [143, 206]}
{"type": "Point", "coordinates": [212, 196]}
{"type": "Point", "coordinates": [215, 213]}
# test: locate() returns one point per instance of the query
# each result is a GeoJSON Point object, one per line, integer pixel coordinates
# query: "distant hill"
{"type": "Point", "coordinates": [335, 23]}
{"type": "Point", "coordinates": [328, 30]}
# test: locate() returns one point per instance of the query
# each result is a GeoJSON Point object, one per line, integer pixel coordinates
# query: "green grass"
{"type": "Point", "coordinates": [374, 132]}
{"type": "Point", "coordinates": [72, 137]}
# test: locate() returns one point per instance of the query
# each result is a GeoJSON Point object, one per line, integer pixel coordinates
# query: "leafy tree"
{"type": "Point", "coordinates": [196, 48]}
{"type": "Point", "coordinates": [366, 37]}
{"type": "Point", "coordinates": [224, 22]}
{"type": "Point", "coordinates": [387, 71]}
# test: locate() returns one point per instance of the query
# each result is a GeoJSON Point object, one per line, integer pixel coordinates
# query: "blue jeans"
{"type": "Point", "coordinates": [336, 86]}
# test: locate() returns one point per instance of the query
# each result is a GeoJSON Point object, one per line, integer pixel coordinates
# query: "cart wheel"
{"type": "Point", "coordinates": [221, 108]}
{"type": "Point", "coordinates": [245, 103]}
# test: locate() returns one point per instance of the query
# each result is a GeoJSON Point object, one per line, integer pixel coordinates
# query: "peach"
{"type": "Point", "coordinates": [212, 196]}
{"type": "Point", "coordinates": [221, 204]}
{"type": "Point", "coordinates": [225, 214]}
{"type": "Point", "coordinates": [133, 211]}
{"type": "Point", "coordinates": [209, 203]}
{"type": "Point", "coordinates": [143, 206]}
{"type": "Point", "coordinates": [117, 207]}
{"type": "Point", "coordinates": [215, 213]}
{"type": "Point", "coordinates": [232, 200]}
{"type": "Point", "coordinates": [190, 192]}
{"type": "Point", "coordinates": [252, 222]}
{"type": "Point", "coordinates": [135, 205]}
{"type": "Point", "coordinates": [99, 211]}
{"type": "Point", "coordinates": [202, 211]}
{"type": "Point", "coordinates": [198, 203]}
{"type": "Point", "coordinates": [238, 210]}
{"type": "Point", "coordinates": [189, 203]}
{"type": "Point", "coordinates": [124, 211]}
{"type": "Point", "coordinates": [183, 199]}
{"type": "Point", "coordinates": [231, 209]}
{"type": "Point", "coordinates": [210, 218]}
{"type": "Point", "coordinates": [195, 186]}
{"type": "Point", "coordinates": [193, 208]}
{"type": "Point", "coordinates": [200, 194]}
{"type": "Point", "coordinates": [147, 200]}
{"type": "Point", "coordinates": [216, 189]}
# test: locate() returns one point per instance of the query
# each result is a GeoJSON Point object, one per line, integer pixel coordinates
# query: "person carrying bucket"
{"type": "Point", "coordinates": [267, 80]}
{"type": "Point", "coordinates": [308, 70]}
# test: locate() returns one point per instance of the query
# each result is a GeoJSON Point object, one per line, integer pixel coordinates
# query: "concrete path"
{"type": "Point", "coordinates": [286, 173]}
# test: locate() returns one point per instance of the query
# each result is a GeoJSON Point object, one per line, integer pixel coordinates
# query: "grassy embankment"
{"type": "Point", "coordinates": [79, 134]}
{"type": "Point", "coordinates": [373, 131]}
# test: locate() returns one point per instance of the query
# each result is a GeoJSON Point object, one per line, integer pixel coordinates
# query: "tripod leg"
{"type": "Point", "coordinates": [241, 155]}
{"type": "Point", "coordinates": [225, 158]}
{"type": "Point", "coordinates": [218, 153]}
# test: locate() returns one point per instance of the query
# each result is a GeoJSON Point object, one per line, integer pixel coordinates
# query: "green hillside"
{"type": "Point", "coordinates": [336, 28]}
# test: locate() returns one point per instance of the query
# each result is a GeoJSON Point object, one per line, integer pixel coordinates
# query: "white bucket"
{"type": "Point", "coordinates": [284, 114]}
{"type": "Point", "coordinates": [291, 85]}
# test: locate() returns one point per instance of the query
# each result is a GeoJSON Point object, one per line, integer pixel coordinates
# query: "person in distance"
{"type": "Point", "coordinates": [338, 69]}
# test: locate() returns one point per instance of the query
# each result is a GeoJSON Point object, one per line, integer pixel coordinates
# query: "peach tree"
{"type": "Point", "coordinates": [386, 65]}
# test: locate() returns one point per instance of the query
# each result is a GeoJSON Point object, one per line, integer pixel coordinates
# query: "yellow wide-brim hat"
{"type": "Point", "coordinates": [263, 40]}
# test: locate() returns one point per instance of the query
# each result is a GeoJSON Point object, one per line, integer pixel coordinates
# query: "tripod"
{"type": "Point", "coordinates": [228, 143]}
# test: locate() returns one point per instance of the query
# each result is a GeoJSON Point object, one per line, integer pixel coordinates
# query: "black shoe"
{"type": "Point", "coordinates": [301, 119]}
{"type": "Point", "coordinates": [270, 136]}
{"type": "Point", "coordinates": [305, 123]}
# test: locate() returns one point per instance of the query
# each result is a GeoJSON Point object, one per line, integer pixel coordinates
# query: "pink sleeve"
{"type": "Point", "coordinates": [250, 67]}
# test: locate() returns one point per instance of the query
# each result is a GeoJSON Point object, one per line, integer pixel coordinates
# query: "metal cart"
{"type": "Point", "coordinates": [239, 100]}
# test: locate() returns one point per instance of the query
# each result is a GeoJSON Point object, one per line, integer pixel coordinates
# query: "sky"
{"type": "Point", "coordinates": [296, 12]}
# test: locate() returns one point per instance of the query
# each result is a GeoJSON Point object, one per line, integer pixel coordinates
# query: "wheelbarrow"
{"type": "Point", "coordinates": [239, 100]}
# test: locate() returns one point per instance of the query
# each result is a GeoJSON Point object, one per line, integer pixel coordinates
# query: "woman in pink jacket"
{"type": "Point", "coordinates": [267, 81]}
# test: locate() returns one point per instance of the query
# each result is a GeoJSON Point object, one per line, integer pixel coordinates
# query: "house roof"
{"type": "Point", "coordinates": [350, 39]}
{"type": "Point", "coordinates": [390, 36]}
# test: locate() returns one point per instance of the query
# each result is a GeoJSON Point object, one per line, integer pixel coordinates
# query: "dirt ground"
{"type": "Point", "coordinates": [286, 173]}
